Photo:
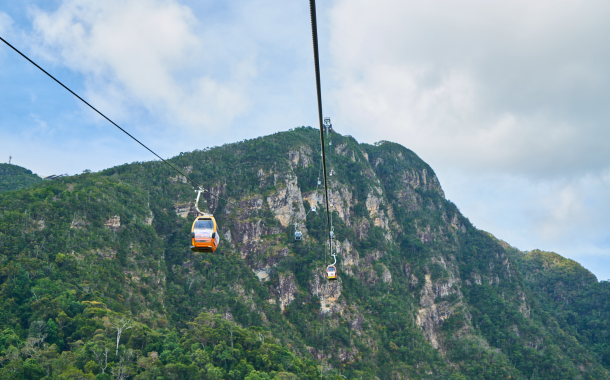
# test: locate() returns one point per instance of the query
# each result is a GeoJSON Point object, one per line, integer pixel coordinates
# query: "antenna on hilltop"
{"type": "Point", "coordinates": [328, 127]}
{"type": "Point", "coordinates": [9, 159]}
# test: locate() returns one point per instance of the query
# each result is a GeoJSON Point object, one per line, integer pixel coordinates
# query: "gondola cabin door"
{"type": "Point", "coordinates": [204, 234]}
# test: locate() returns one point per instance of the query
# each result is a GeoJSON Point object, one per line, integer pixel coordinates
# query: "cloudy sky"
{"type": "Point", "coordinates": [507, 100]}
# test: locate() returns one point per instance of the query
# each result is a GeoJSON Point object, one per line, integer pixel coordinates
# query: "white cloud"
{"type": "Point", "coordinates": [511, 86]}
{"type": "Point", "coordinates": [144, 55]}
{"type": "Point", "coordinates": [6, 24]}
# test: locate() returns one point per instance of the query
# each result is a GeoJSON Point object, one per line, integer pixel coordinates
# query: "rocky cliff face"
{"type": "Point", "coordinates": [396, 231]}
{"type": "Point", "coordinates": [396, 235]}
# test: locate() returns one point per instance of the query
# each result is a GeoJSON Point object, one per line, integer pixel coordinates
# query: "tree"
{"type": "Point", "coordinates": [32, 370]}
{"type": "Point", "coordinates": [38, 331]}
{"type": "Point", "coordinates": [120, 325]}
{"type": "Point", "coordinates": [122, 369]}
{"type": "Point", "coordinates": [101, 357]}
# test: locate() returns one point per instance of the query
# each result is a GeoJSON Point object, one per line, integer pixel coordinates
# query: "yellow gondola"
{"type": "Point", "coordinates": [204, 232]}
{"type": "Point", "coordinates": [204, 235]}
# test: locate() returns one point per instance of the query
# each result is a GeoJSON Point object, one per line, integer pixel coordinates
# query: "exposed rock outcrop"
{"type": "Point", "coordinates": [287, 203]}
{"type": "Point", "coordinates": [178, 178]}
{"type": "Point", "coordinates": [79, 223]}
{"type": "Point", "coordinates": [424, 234]}
{"type": "Point", "coordinates": [431, 315]}
{"type": "Point", "coordinates": [113, 223]}
{"type": "Point", "coordinates": [362, 229]}
{"type": "Point", "coordinates": [341, 200]}
{"type": "Point", "coordinates": [183, 210]}
{"type": "Point", "coordinates": [343, 150]}
{"type": "Point", "coordinates": [349, 257]}
{"type": "Point", "coordinates": [380, 213]}
{"type": "Point", "coordinates": [416, 179]}
{"type": "Point", "coordinates": [148, 220]}
{"type": "Point", "coordinates": [328, 293]}
{"type": "Point", "coordinates": [386, 275]}
{"type": "Point", "coordinates": [286, 289]}
{"type": "Point", "coordinates": [301, 157]}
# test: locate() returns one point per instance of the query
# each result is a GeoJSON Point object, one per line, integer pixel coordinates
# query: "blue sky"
{"type": "Point", "coordinates": [507, 101]}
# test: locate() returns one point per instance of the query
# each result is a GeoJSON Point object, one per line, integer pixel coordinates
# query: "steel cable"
{"type": "Point", "coordinates": [314, 29]}
{"type": "Point", "coordinates": [314, 32]}
{"type": "Point", "coordinates": [197, 185]}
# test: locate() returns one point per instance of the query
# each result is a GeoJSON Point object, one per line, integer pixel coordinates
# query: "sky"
{"type": "Point", "coordinates": [506, 100]}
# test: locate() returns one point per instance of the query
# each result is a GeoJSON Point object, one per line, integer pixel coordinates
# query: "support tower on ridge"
{"type": "Point", "coordinates": [328, 127]}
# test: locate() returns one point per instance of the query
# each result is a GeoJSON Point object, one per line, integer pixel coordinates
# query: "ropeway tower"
{"type": "Point", "coordinates": [328, 127]}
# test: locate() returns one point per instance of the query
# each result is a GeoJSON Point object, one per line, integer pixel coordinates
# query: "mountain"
{"type": "Point", "coordinates": [13, 177]}
{"type": "Point", "coordinates": [97, 279]}
{"type": "Point", "coordinates": [573, 296]}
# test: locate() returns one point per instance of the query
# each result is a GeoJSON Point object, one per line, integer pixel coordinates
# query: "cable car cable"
{"type": "Point", "coordinates": [197, 185]}
{"type": "Point", "coordinates": [314, 31]}
{"type": "Point", "coordinates": [101, 114]}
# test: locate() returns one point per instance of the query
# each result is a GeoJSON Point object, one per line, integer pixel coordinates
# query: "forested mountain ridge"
{"type": "Point", "coordinates": [97, 279]}
{"type": "Point", "coordinates": [13, 177]}
{"type": "Point", "coordinates": [572, 294]}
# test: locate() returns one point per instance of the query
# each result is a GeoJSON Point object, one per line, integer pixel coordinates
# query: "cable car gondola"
{"type": "Point", "coordinates": [298, 235]}
{"type": "Point", "coordinates": [204, 235]}
{"type": "Point", "coordinates": [331, 270]}
{"type": "Point", "coordinates": [204, 232]}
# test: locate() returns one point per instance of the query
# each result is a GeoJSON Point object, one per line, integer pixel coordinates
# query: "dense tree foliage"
{"type": "Point", "coordinates": [13, 177]}
{"type": "Point", "coordinates": [573, 296]}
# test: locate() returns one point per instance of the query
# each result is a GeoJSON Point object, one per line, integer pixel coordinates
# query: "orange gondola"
{"type": "Point", "coordinates": [204, 235]}
{"type": "Point", "coordinates": [204, 232]}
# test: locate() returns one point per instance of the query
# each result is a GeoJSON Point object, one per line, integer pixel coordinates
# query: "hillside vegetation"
{"type": "Point", "coordinates": [13, 177]}
{"type": "Point", "coordinates": [97, 279]}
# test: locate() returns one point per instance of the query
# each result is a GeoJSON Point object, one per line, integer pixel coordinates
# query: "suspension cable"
{"type": "Point", "coordinates": [314, 30]}
{"type": "Point", "coordinates": [101, 114]}
{"type": "Point", "coordinates": [197, 185]}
